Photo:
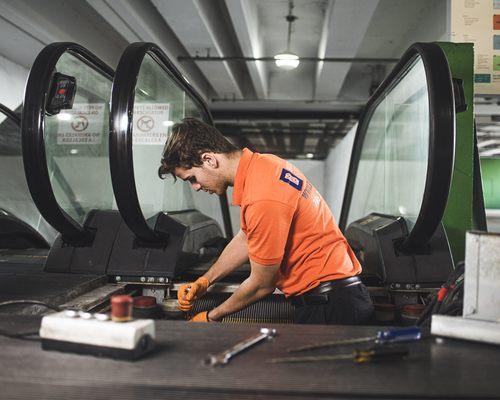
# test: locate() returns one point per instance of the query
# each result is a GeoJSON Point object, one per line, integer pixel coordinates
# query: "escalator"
{"type": "Point", "coordinates": [66, 151]}
{"type": "Point", "coordinates": [61, 169]}
{"type": "Point", "coordinates": [66, 134]}
{"type": "Point", "coordinates": [21, 226]}
{"type": "Point", "coordinates": [411, 192]}
{"type": "Point", "coordinates": [149, 96]}
{"type": "Point", "coordinates": [92, 141]}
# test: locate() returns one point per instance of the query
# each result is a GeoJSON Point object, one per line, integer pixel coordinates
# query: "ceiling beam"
{"type": "Point", "coordinates": [323, 40]}
{"type": "Point", "coordinates": [280, 140]}
{"type": "Point", "coordinates": [205, 27]}
{"type": "Point", "coordinates": [141, 21]}
{"type": "Point", "coordinates": [235, 130]}
{"type": "Point", "coordinates": [46, 21]}
{"type": "Point", "coordinates": [220, 27]}
{"type": "Point", "coordinates": [245, 19]}
{"type": "Point", "coordinates": [269, 138]}
{"type": "Point", "coordinates": [256, 115]}
{"type": "Point", "coordinates": [344, 28]}
{"type": "Point", "coordinates": [362, 60]}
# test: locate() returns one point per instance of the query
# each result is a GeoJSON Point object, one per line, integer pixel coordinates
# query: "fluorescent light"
{"type": "Point", "coordinates": [168, 123]}
{"type": "Point", "coordinates": [64, 117]}
{"type": "Point", "coordinates": [309, 155]}
{"type": "Point", "coordinates": [286, 61]}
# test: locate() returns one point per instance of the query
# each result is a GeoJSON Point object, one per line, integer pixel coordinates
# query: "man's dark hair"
{"type": "Point", "coordinates": [189, 139]}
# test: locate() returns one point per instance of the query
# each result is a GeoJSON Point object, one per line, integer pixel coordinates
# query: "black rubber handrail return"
{"type": "Point", "coordinates": [10, 114]}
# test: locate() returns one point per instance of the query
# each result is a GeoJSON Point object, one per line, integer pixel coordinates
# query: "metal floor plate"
{"type": "Point", "coordinates": [29, 282]}
{"type": "Point", "coordinates": [449, 369]}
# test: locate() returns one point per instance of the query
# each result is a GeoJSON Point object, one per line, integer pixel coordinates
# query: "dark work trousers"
{"type": "Point", "coordinates": [350, 305]}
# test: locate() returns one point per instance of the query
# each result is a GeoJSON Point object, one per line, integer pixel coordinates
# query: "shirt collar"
{"type": "Point", "coordinates": [241, 174]}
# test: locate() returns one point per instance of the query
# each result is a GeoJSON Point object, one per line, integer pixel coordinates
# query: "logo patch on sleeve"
{"type": "Point", "coordinates": [291, 179]}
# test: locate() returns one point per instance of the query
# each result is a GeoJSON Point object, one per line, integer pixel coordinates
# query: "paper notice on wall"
{"type": "Point", "coordinates": [478, 22]}
{"type": "Point", "coordinates": [83, 124]}
{"type": "Point", "coordinates": [151, 123]}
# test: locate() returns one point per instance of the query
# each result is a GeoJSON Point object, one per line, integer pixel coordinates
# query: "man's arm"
{"type": "Point", "coordinates": [235, 254]}
{"type": "Point", "coordinates": [260, 283]}
{"type": "Point", "coordinates": [232, 257]}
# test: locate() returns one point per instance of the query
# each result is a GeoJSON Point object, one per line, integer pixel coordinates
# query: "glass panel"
{"type": "Point", "coordinates": [76, 143]}
{"type": "Point", "coordinates": [192, 109]}
{"type": "Point", "coordinates": [160, 103]}
{"type": "Point", "coordinates": [14, 193]}
{"type": "Point", "coordinates": [392, 169]}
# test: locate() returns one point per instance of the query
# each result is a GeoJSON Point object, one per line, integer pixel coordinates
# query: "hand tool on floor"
{"type": "Point", "coordinates": [382, 337]}
{"type": "Point", "coordinates": [373, 354]}
{"type": "Point", "coordinates": [225, 356]}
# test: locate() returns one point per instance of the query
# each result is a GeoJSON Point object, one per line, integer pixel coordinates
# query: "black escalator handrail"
{"type": "Point", "coordinates": [10, 114]}
{"type": "Point", "coordinates": [441, 140]}
{"type": "Point", "coordinates": [33, 143]}
{"type": "Point", "coordinates": [121, 135]}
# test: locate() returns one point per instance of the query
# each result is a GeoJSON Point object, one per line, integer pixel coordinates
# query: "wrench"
{"type": "Point", "coordinates": [224, 357]}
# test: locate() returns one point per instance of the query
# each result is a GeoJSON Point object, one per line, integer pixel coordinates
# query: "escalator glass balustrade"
{"type": "Point", "coordinates": [159, 103]}
{"type": "Point", "coordinates": [65, 144]}
{"type": "Point", "coordinates": [21, 225]}
{"type": "Point", "coordinates": [76, 143]}
{"type": "Point", "coordinates": [170, 227]}
{"type": "Point", "coordinates": [392, 169]}
{"type": "Point", "coordinates": [401, 172]}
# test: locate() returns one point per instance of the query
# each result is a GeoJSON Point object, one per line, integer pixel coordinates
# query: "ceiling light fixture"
{"type": "Point", "coordinates": [288, 60]}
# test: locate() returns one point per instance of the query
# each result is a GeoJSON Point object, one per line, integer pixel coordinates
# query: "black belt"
{"type": "Point", "coordinates": [319, 295]}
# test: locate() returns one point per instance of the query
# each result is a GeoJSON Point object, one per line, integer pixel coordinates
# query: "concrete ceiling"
{"type": "Point", "coordinates": [250, 28]}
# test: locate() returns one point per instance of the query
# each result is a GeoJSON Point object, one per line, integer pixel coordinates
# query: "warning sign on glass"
{"type": "Point", "coordinates": [151, 122]}
{"type": "Point", "coordinates": [83, 124]}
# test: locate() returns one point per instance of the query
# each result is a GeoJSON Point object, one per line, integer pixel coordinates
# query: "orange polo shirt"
{"type": "Point", "coordinates": [287, 222]}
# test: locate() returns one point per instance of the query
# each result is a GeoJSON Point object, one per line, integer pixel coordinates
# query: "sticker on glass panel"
{"type": "Point", "coordinates": [151, 123]}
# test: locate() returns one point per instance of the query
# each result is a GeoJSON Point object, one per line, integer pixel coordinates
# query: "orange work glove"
{"type": "Point", "coordinates": [200, 317]}
{"type": "Point", "coordinates": [189, 292]}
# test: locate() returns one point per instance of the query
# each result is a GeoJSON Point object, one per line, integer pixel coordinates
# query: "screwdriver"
{"type": "Point", "coordinates": [382, 337]}
{"type": "Point", "coordinates": [359, 356]}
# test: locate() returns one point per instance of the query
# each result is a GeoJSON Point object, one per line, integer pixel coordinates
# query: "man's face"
{"type": "Point", "coordinates": [203, 178]}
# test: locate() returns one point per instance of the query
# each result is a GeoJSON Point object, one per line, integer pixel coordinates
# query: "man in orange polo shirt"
{"type": "Point", "coordinates": [287, 232]}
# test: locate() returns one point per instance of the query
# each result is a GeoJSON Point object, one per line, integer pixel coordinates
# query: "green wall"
{"type": "Point", "coordinates": [458, 217]}
{"type": "Point", "coordinates": [490, 170]}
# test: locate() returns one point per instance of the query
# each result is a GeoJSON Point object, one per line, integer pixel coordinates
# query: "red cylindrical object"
{"type": "Point", "coordinates": [144, 301]}
{"type": "Point", "coordinates": [121, 308]}
{"type": "Point", "coordinates": [413, 309]}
